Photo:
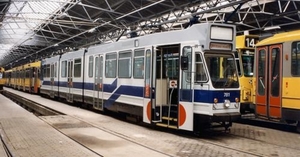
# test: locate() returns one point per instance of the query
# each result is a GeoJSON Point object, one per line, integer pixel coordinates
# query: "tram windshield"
{"type": "Point", "coordinates": [222, 70]}
{"type": "Point", "coordinates": [248, 62]}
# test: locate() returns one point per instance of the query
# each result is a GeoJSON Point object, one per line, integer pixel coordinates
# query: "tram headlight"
{"type": "Point", "coordinates": [226, 103]}
{"type": "Point", "coordinates": [215, 103]}
{"type": "Point", "coordinates": [237, 100]}
{"type": "Point", "coordinates": [215, 100]}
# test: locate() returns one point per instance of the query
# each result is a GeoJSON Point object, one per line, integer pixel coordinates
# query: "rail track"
{"type": "Point", "coordinates": [217, 139]}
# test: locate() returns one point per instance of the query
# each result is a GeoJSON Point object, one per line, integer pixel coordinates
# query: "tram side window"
{"type": "Point", "coordinates": [124, 64]}
{"type": "Point", "coordinates": [52, 70]}
{"type": "Point", "coordinates": [200, 75]}
{"type": "Point", "coordinates": [48, 70]}
{"type": "Point", "coordinates": [20, 74]}
{"type": "Point", "coordinates": [27, 73]}
{"type": "Point", "coordinates": [77, 67]}
{"type": "Point", "coordinates": [187, 51]}
{"type": "Point", "coordinates": [91, 63]}
{"type": "Point", "coordinates": [261, 71]}
{"type": "Point", "coordinates": [64, 69]}
{"type": "Point", "coordinates": [275, 71]}
{"type": "Point", "coordinates": [111, 65]}
{"type": "Point", "coordinates": [23, 73]}
{"type": "Point", "coordinates": [55, 69]}
{"type": "Point", "coordinates": [295, 70]}
{"type": "Point", "coordinates": [138, 64]}
{"type": "Point", "coordinates": [44, 71]}
{"type": "Point", "coordinates": [186, 92]}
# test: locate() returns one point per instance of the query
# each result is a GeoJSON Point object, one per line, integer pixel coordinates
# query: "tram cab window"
{"type": "Point", "coordinates": [222, 70]}
{"type": "Point", "coordinates": [200, 74]}
{"type": "Point", "coordinates": [295, 70]}
{"type": "Point", "coordinates": [248, 62]}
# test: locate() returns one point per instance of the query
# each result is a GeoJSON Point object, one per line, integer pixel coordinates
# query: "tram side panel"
{"type": "Point", "coordinates": [290, 82]}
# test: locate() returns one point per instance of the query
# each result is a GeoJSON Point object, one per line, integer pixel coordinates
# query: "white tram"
{"type": "Point", "coordinates": [184, 79]}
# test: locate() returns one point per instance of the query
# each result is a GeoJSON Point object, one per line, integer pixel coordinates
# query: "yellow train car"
{"type": "Point", "coordinates": [30, 81]}
{"type": "Point", "coordinates": [277, 77]}
{"type": "Point", "coordinates": [245, 46]}
{"type": "Point", "coordinates": [7, 77]}
{"type": "Point", "coordinates": [2, 79]}
{"type": "Point", "coordinates": [25, 77]}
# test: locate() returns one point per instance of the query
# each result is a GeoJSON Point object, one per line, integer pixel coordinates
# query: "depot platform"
{"type": "Point", "coordinates": [61, 135]}
{"type": "Point", "coordinates": [27, 135]}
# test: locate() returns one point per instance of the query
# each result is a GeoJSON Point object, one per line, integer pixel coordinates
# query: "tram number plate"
{"type": "Point", "coordinates": [226, 95]}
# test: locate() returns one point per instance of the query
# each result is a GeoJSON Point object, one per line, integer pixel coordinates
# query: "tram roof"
{"type": "Point", "coordinates": [280, 38]}
{"type": "Point", "coordinates": [32, 29]}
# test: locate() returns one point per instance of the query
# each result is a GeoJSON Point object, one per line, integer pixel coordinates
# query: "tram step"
{"type": "Point", "coordinates": [166, 125]}
{"type": "Point", "coordinates": [170, 118]}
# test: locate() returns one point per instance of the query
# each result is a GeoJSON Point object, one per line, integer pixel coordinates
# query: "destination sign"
{"type": "Point", "coordinates": [220, 46]}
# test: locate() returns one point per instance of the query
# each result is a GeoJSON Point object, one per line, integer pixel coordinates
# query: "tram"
{"type": "Point", "coordinates": [245, 46]}
{"type": "Point", "coordinates": [277, 76]}
{"type": "Point", "coordinates": [184, 79]}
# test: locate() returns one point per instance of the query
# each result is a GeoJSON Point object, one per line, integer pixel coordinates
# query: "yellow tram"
{"type": "Point", "coordinates": [2, 79]}
{"type": "Point", "coordinates": [245, 46]}
{"type": "Point", "coordinates": [277, 77]}
{"type": "Point", "coordinates": [26, 77]}
{"type": "Point", "coordinates": [30, 80]}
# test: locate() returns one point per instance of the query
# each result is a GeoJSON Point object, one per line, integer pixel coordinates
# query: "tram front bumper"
{"type": "Point", "coordinates": [226, 117]}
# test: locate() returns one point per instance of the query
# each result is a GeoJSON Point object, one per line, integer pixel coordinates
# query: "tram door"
{"type": "Point", "coordinates": [165, 75]}
{"type": "Point", "coordinates": [23, 88]}
{"type": "Point", "coordinates": [269, 83]}
{"type": "Point", "coordinates": [98, 83]}
{"type": "Point", "coordinates": [70, 81]}
{"type": "Point", "coordinates": [35, 77]}
{"type": "Point", "coordinates": [31, 78]}
{"type": "Point", "coordinates": [51, 80]}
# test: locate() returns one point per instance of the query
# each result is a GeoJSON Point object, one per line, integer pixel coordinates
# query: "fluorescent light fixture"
{"type": "Point", "coordinates": [271, 28]}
